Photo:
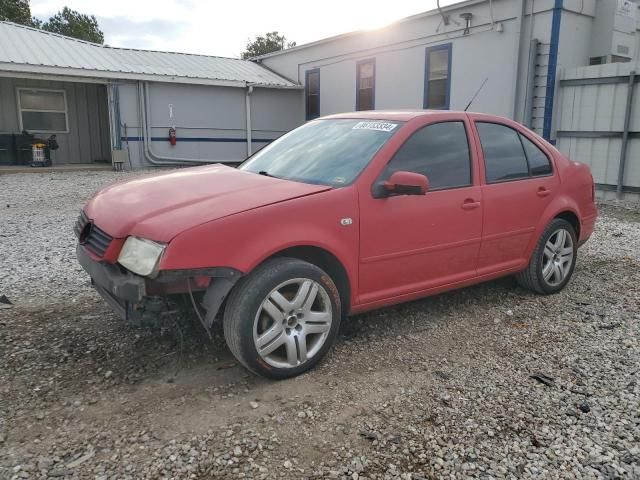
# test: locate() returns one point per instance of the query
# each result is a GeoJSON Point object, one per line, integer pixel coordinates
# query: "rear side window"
{"type": "Point", "coordinates": [504, 156]}
{"type": "Point", "coordinates": [440, 151]}
{"type": "Point", "coordinates": [539, 163]}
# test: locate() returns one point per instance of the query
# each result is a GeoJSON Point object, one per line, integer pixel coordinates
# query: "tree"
{"type": "Point", "coordinates": [74, 24]}
{"type": "Point", "coordinates": [271, 42]}
{"type": "Point", "coordinates": [18, 11]}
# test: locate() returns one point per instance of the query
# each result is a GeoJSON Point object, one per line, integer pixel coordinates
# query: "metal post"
{"type": "Point", "coordinates": [625, 135]}
{"type": "Point", "coordinates": [551, 69]}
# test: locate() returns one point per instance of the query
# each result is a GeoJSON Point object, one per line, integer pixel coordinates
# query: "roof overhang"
{"type": "Point", "coordinates": [97, 76]}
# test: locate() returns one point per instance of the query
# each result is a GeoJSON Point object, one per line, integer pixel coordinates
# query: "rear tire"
{"type": "Point", "coordinates": [553, 260]}
{"type": "Point", "coordinates": [282, 318]}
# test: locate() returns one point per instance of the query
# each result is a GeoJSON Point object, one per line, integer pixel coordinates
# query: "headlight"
{"type": "Point", "coordinates": [140, 256]}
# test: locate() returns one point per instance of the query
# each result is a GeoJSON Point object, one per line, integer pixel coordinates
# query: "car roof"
{"type": "Point", "coordinates": [398, 115]}
{"type": "Point", "coordinates": [406, 115]}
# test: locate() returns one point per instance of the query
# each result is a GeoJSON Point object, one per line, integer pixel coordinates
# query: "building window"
{"type": "Point", "coordinates": [619, 59]}
{"type": "Point", "coordinates": [365, 85]}
{"type": "Point", "coordinates": [43, 110]}
{"type": "Point", "coordinates": [437, 84]}
{"type": "Point", "coordinates": [312, 93]}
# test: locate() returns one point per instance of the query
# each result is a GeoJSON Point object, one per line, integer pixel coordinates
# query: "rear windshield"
{"type": "Point", "coordinates": [324, 152]}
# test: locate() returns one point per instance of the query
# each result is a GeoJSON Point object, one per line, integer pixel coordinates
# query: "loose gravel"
{"type": "Point", "coordinates": [487, 382]}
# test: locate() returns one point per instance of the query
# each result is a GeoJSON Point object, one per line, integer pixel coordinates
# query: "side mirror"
{"type": "Point", "coordinates": [406, 183]}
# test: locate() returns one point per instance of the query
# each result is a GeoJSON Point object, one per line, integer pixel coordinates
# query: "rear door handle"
{"type": "Point", "coordinates": [470, 204]}
{"type": "Point", "coordinates": [543, 192]}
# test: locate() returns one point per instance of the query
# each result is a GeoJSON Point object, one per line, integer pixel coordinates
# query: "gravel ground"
{"type": "Point", "coordinates": [487, 382]}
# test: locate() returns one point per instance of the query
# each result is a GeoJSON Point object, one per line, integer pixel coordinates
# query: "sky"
{"type": "Point", "coordinates": [215, 27]}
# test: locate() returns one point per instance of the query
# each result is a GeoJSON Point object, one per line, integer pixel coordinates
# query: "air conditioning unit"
{"type": "Point", "coordinates": [614, 32]}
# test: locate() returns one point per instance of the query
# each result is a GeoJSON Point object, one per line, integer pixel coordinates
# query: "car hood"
{"type": "Point", "coordinates": [158, 207]}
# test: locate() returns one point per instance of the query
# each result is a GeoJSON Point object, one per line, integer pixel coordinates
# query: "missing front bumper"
{"type": "Point", "coordinates": [121, 285]}
{"type": "Point", "coordinates": [136, 299]}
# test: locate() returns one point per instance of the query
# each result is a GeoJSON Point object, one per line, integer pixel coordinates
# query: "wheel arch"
{"type": "Point", "coordinates": [562, 207]}
{"type": "Point", "coordinates": [571, 217]}
{"type": "Point", "coordinates": [325, 260]}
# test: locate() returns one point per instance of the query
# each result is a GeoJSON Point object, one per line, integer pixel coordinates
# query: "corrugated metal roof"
{"type": "Point", "coordinates": [25, 49]}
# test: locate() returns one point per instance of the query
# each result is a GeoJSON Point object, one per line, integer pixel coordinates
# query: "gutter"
{"type": "Point", "coordinates": [84, 75]}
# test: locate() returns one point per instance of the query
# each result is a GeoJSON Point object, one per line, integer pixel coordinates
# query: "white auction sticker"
{"type": "Point", "coordinates": [380, 126]}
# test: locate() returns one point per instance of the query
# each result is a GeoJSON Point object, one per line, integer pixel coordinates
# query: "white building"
{"type": "Point", "coordinates": [104, 102]}
{"type": "Point", "coordinates": [534, 56]}
{"type": "Point", "coordinates": [439, 59]}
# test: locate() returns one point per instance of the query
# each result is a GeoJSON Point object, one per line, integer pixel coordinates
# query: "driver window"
{"type": "Point", "coordinates": [440, 151]}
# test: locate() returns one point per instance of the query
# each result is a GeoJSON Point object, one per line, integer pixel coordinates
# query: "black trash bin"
{"type": "Point", "coordinates": [24, 147]}
{"type": "Point", "coordinates": [7, 149]}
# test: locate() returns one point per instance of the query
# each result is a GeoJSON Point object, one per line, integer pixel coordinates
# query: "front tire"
{"type": "Point", "coordinates": [282, 319]}
{"type": "Point", "coordinates": [553, 260]}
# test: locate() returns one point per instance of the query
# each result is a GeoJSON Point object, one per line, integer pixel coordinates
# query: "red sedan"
{"type": "Point", "coordinates": [345, 214]}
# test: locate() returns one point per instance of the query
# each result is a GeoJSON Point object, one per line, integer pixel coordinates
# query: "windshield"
{"type": "Point", "coordinates": [324, 152]}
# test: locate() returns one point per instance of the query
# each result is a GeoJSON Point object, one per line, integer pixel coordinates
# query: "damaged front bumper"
{"type": "Point", "coordinates": [132, 296]}
{"type": "Point", "coordinates": [122, 290]}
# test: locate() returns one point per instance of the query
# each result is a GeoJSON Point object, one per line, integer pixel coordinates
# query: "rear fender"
{"type": "Point", "coordinates": [560, 204]}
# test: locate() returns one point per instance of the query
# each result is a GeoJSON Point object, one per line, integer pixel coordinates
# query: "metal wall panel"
{"type": "Point", "coordinates": [210, 121]}
{"type": "Point", "coordinates": [88, 137]}
{"type": "Point", "coordinates": [591, 120]}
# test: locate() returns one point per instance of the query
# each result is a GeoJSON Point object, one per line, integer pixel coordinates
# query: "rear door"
{"type": "Point", "coordinates": [411, 243]}
{"type": "Point", "coordinates": [520, 182]}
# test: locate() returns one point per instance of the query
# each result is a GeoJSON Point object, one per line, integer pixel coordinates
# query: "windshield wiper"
{"type": "Point", "coordinates": [266, 174]}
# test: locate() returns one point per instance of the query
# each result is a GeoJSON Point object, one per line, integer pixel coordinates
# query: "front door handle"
{"type": "Point", "coordinates": [470, 204]}
{"type": "Point", "coordinates": [543, 192]}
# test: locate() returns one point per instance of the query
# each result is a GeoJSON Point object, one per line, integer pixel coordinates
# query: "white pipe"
{"type": "Point", "coordinates": [149, 154]}
{"type": "Point", "coordinates": [248, 113]}
{"type": "Point", "coordinates": [518, 62]}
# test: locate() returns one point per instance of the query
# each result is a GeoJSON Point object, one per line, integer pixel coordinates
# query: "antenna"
{"type": "Point", "coordinates": [445, 20]}
{"type": "Point", "coordinates": [474, 97]}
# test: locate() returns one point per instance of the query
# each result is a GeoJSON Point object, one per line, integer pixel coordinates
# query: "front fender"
{"type": "Point", "coordinates": [244, 240]}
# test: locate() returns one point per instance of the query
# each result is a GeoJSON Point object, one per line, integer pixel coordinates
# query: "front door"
{"type": "Point", "coordinates": [412, 243]}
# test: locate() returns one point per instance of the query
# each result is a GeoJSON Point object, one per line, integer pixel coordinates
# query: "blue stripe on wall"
{"type": "Point", "coordinates": [200, 139]}
{"type": "Point", "coordinates": [551, 70]}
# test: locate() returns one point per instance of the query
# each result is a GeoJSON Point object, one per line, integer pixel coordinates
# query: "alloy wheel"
{"type": "Point", "coordinates": [292, 323]}
{"type": "Point", "coordinates": [557, 257]}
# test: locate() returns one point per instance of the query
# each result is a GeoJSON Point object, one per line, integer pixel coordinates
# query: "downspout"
{"type": "Point", "coordinates": [551, 71]}
{"type": "Point", "coordinates": [248, 113]}
{"type": "Point", "coordinates": [117, 117]}
{"type": "Point", "coordinates": [113, 104]}
{"type": "Point", "coordinates": [149, 155]}
{"type": "Point", "coordinates": [518, 62]}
